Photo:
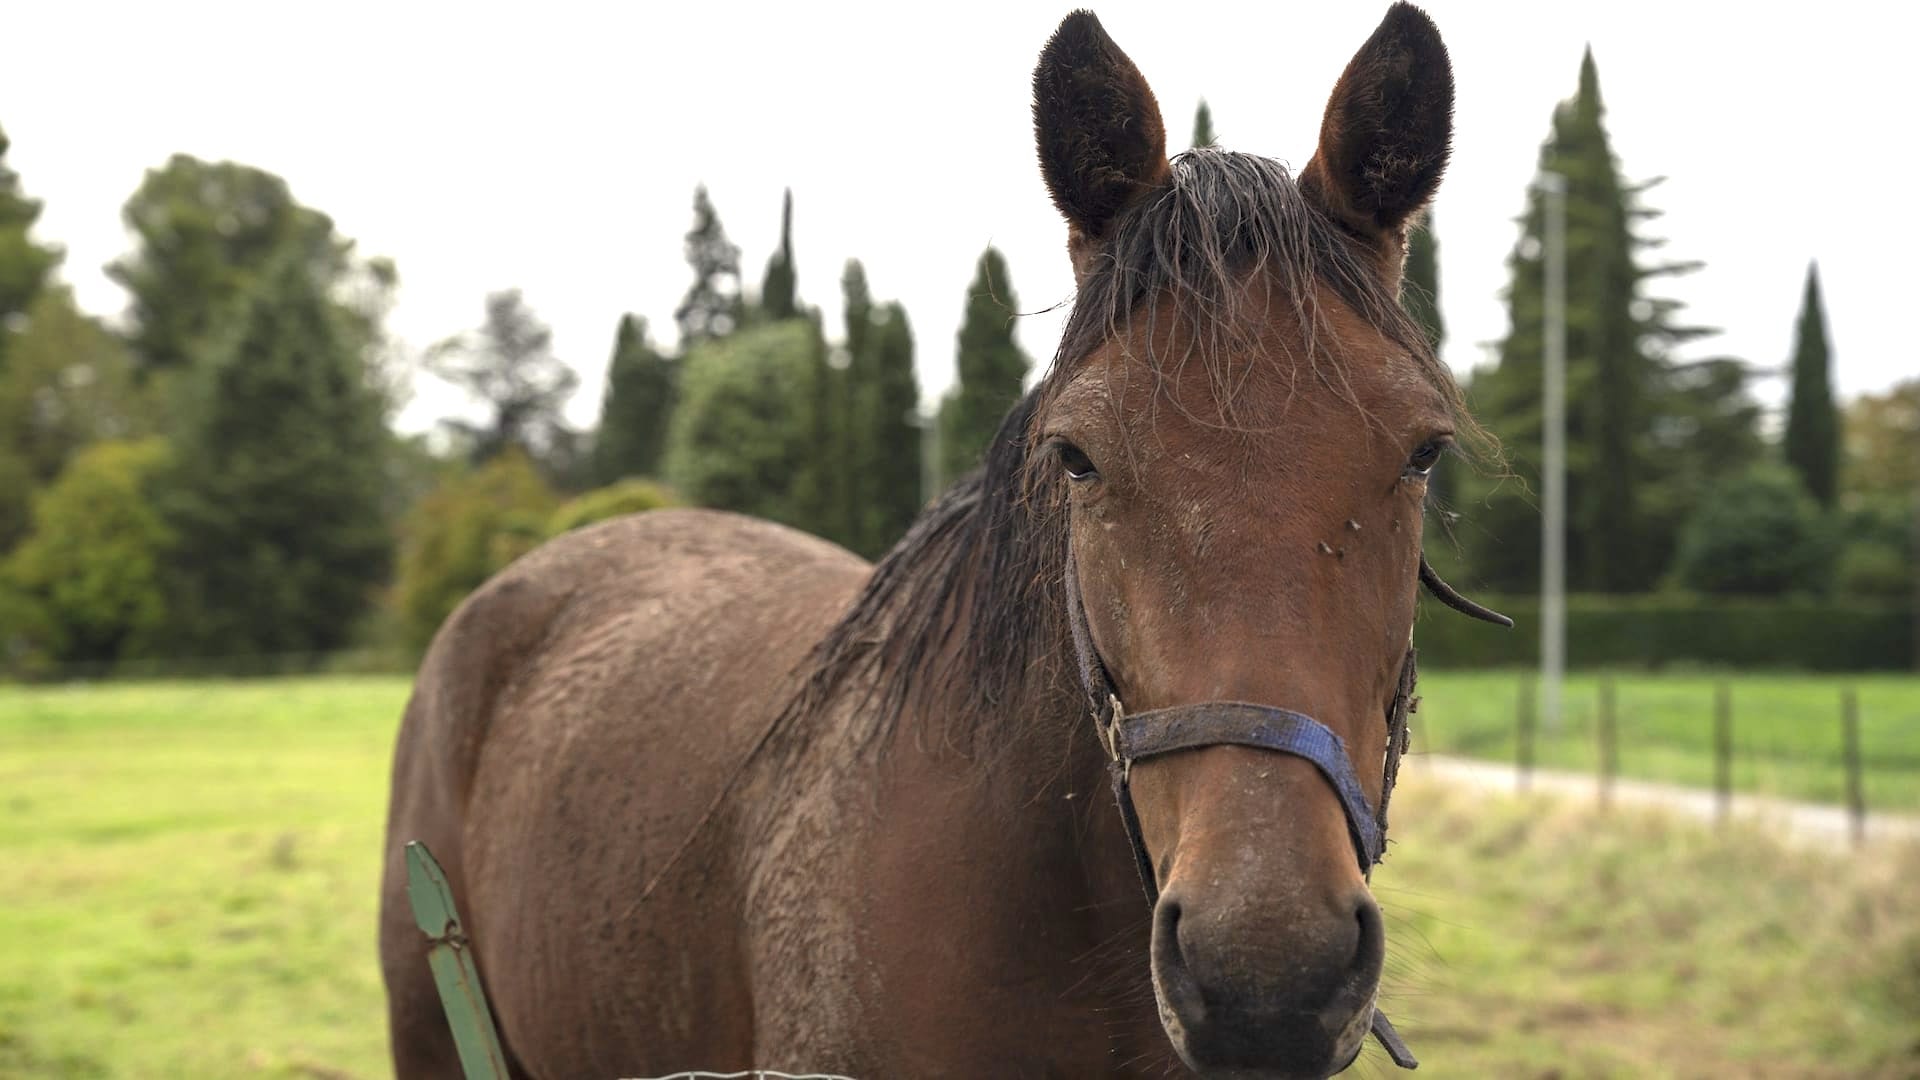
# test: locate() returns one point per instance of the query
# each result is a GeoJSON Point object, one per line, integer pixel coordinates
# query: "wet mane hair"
{"type": "Point", "coordinates": [966, 615]}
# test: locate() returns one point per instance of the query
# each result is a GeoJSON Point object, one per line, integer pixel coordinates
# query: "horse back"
{"type": "Point", "coordinates": [574, 723]}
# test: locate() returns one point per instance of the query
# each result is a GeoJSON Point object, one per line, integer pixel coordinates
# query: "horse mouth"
{"type": "Point", "coordinates": [1219, 1048]}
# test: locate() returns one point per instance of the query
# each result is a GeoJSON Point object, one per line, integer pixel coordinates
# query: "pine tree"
{"type": "Point", "coordinates": [635, 409]}
{"type": "Point", "coordinates": [1812, 442]}
{"type": "Point", "coordinates": [1203, 127]}
{"type": "Point", "coordinates": [777, 295]}
{"type": "Point", "coordinates": [509, 366]}
{"type": "Point", "coordinates": [711, 308]}
{"type": "Point", "coordinates": [991, 367]}
{"type": "Point", "coordinates": [274, 495]}
{"type": "Point", "coordinates": [1646, 435]}
{"type": "Point", "coordinates": [24, 265]}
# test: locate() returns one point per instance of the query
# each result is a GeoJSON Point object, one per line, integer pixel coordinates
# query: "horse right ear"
{"type": "Point", "coordinates": [1102, 143]}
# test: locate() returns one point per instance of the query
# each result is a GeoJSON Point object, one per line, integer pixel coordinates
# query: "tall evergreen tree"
{"type": "Point", "coordinates": [777, 290]}
{"type": "Point", "coordinates": [635, 409]}
{"type": "Point", "coordinates": [840, 410]}
{"type": "Point", "coordinates": [1646, 435]}
{"type": "Point", "coordinates": [1203, 127]}
{"type": "Point", "coordinates": [1420, 288]}
{"type": "Point", "coordinates": [991, 367]}
{"type": "Point", "coordinates": [887, 469]}
{"type": "Point", "coordinates": [274, 495]}
{"type": "Point", "coordinates": [711, 308]}
{"type": "Point", "coordinates": [509, 366]}
{"type": "Point", "coordinates": [1812, 442]}
{"type": "Point", "coordinates": [205, 233]}
{"type": "Point", "coordinates": [24, 265]}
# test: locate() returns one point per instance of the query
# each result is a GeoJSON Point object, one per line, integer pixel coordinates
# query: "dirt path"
{"type": "Point", "coordinates": [1814, 824]}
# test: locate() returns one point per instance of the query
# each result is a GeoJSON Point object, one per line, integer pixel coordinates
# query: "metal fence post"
{"type": "Point", "coordinates": [1850, 753]}
{"type": "Point", "coordinates": [1722, 752]}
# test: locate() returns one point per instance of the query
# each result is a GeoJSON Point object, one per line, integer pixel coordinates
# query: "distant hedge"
{"type": "Point", "coordinates": [1658, 631]}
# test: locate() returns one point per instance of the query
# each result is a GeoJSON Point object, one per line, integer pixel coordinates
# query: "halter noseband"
{"type": "Point", "coordinates": [1128, 739]}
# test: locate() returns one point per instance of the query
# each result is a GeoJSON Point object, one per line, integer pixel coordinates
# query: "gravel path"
{"type": "Point", "coordinates": [1817, 824]}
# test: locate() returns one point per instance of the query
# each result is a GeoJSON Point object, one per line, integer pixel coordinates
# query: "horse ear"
{"type": "Point", "coordinates": [1388, 128]}
{"type": "Point", "coordinates": [1102, 143]}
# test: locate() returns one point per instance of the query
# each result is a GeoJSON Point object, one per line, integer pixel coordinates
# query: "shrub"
{"type": "Point", "coordinates": [629, 496]}
{"type": "Point", "coordinates": [464, 532]}
{"type": "Point", "coordinates": [1759, 534]}
{"type": "Point", "coordinates": [91, 567]}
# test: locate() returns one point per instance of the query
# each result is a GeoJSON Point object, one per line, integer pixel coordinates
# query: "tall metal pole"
{"type": "Point", "coordinates": [1553, 473]}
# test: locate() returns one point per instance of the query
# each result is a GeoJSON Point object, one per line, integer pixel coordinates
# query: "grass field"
{"type": "Point", "coordinates": [187, 879]}
{"type": "Point", "coordinates": [1786, 729]}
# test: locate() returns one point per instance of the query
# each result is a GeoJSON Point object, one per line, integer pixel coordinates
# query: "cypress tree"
{"type": "Point", "coordinates": [1812, 442]}
{"type": "Point", "coordinates": [990, 365]}
{"type": "Point", "coordinates": [777, 297]}
{"type": "Point", "coordinates": [842, 410]}
{"type": "Point", "coordinates": [275, 493]}
{"type": "Point", "coordinates": [887, 473]}
{"type": "Point", "coordinates": [635, 410]}
{"type": "Point", "coordinates": [711, 308]}
{"type": "Point", "coordinates": [1632, 471]}
{"type": "Point", "coordinates": [1203, 127]}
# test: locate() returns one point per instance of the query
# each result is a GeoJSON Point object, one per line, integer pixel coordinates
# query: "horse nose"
{"type": "Point", "coordinates": [1287, 992]}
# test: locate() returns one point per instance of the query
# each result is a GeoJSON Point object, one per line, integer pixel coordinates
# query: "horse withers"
{"type": "Point", "coordinates": [716, 794]}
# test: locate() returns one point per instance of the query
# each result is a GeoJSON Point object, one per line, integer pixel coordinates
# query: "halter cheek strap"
{"type": "Point", "coordinates": [1128, 739]}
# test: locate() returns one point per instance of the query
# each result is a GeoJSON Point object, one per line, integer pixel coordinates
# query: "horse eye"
{"type": "Point", "coordinates": [1426, 457]}
{"type": "Point", "coordinates": [1078, 465]}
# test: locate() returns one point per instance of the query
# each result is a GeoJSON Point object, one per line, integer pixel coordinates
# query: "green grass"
{"type": "Point", "coordinates": [1786, 729]}
{"type": "Point", "coordinates": [188, 874]}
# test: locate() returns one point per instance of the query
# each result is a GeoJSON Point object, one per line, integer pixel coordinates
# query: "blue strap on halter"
{"type": "Point", "coordinates": [1266, 727]}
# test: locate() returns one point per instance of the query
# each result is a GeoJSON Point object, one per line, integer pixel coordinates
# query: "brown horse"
{"type": "Point", "coordinates": [716, 794]}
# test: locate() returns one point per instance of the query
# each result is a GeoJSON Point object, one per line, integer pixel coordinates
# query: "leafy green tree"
{"type": "Point", "coordinates": [24, 264]}
{"type": "Point", "coordinates": [741, 438]}
{"type": "Point", "coordinates": [66, 383]}
{"type": "Point", "coordinates": [778, 299]}
{"type": "Point", "coordinates": [1757, 534]}
{"type": "Point", "coordinates": [992, 369]}
{"type": "Point", "coordinates": [638, 402]}
{"type": "Point", "coordinates": [1647, 436]}
{"type": "Point", "coordinates": [508, 366]}
{"type": "Point", "coordinates": [462, 533]}
{"type": "Point", "coordinates": [275, 492]}
{"type": "Point", "coordinates": [1203, 127]}
{"type": "Point", "coordinates": [1812, 442]}
{"type": "Point", "coordinates": [205, 234]}
{"type": "Point", "coordinates": [886, 476]}
{"type": "Point", "coordinates": [712, 306]}
{"type": "Point", "coordinates": [94, 562]}
{"type": "Point", "coordinates": [615, 500]}
{"type": "Point", "coordinates": [1883, 442]}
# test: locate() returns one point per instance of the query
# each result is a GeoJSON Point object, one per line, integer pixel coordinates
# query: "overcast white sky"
{"type": "Point", "coordinates": [555, 147]}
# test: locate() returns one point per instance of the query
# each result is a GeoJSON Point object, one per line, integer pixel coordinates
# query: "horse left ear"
{"type": "Point", "coordinates": [1388, 129]}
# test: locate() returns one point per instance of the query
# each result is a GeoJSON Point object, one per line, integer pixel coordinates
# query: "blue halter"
{"type": "Point", "coordinates": [1128, 739]}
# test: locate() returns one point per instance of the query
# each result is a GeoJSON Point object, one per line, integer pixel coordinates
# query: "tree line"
{"type": "Point", "coordinates": [1675, 481]}
{"type": "Point", "coordinates": [222, 478]}
{"type": "Point", "coordinates": [220, 475]}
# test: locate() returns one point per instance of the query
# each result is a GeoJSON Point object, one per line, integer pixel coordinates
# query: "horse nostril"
{"type": "Point", "coordinates": [1371, 948]}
